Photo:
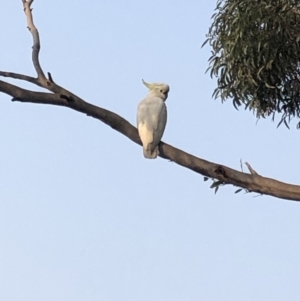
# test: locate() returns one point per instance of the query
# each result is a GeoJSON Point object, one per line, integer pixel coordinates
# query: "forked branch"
{"type": "Point", "coordinates": [61, 97]}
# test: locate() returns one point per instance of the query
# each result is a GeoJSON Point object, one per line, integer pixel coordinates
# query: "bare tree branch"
{"type": "Point", "coordinates": [62, 97]}
{"type": "Point", "coordinates": [36, 40]}
{"type": "Point", "coordinates": [27, 78]}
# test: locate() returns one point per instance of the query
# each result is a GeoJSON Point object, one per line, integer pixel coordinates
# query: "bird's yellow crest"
{"type": "Point", "coordinates": [149, 86]}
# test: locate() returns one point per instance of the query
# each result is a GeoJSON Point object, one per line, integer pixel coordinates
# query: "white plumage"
{"type": "Point", "coordinates": [152, 118]}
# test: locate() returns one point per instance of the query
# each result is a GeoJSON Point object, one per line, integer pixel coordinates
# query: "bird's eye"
{"type": "Point", "coordinates": [161, 91]}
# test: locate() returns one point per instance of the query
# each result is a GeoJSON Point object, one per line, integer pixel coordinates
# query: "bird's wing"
{"type": "Point", "coordinates": [151, 120]}
{"type": "Point", "coordinates": [160, 124]}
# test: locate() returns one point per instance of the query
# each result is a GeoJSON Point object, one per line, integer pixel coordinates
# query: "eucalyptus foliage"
{"type": "Point", "coordinates": [256, 55]}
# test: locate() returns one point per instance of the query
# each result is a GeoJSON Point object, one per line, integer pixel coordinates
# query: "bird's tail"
{"type": "Point", "coordinates": [151, 155]}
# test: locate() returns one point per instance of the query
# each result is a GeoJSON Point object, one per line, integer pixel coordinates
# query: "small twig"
{"type": "Point", "coordinates": [36, 41]}
{"type": "Point", "coordinates": [50, 77]}
{"type": "Point", "coordinates": [241, 162]}
{"type": "Point", "coordinates": [256, 196]}
{"type": "Point", "coordinates": [252, 171]}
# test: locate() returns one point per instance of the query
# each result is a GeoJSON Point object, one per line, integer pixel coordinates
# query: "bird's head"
{"type": "Point", "coordinates": [158, 89]}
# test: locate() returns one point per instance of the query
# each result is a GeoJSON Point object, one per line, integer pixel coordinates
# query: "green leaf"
{"type": "Point", "coordinates": [216, 184]}
{"type": "Point", "coordinates": [216, 189]}
{"type": "Point", "coordinates": [204, 43]}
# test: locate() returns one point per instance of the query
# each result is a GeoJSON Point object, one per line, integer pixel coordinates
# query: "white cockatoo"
{"type": "Point", "coordinates": [152, 118]}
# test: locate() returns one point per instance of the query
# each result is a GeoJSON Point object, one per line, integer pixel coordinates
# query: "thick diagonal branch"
{"type": "Point", "coordinates": [251, 182]}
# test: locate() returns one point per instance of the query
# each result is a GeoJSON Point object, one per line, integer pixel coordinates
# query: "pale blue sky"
{"type": "Point", "coordinates": [83, 216]}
